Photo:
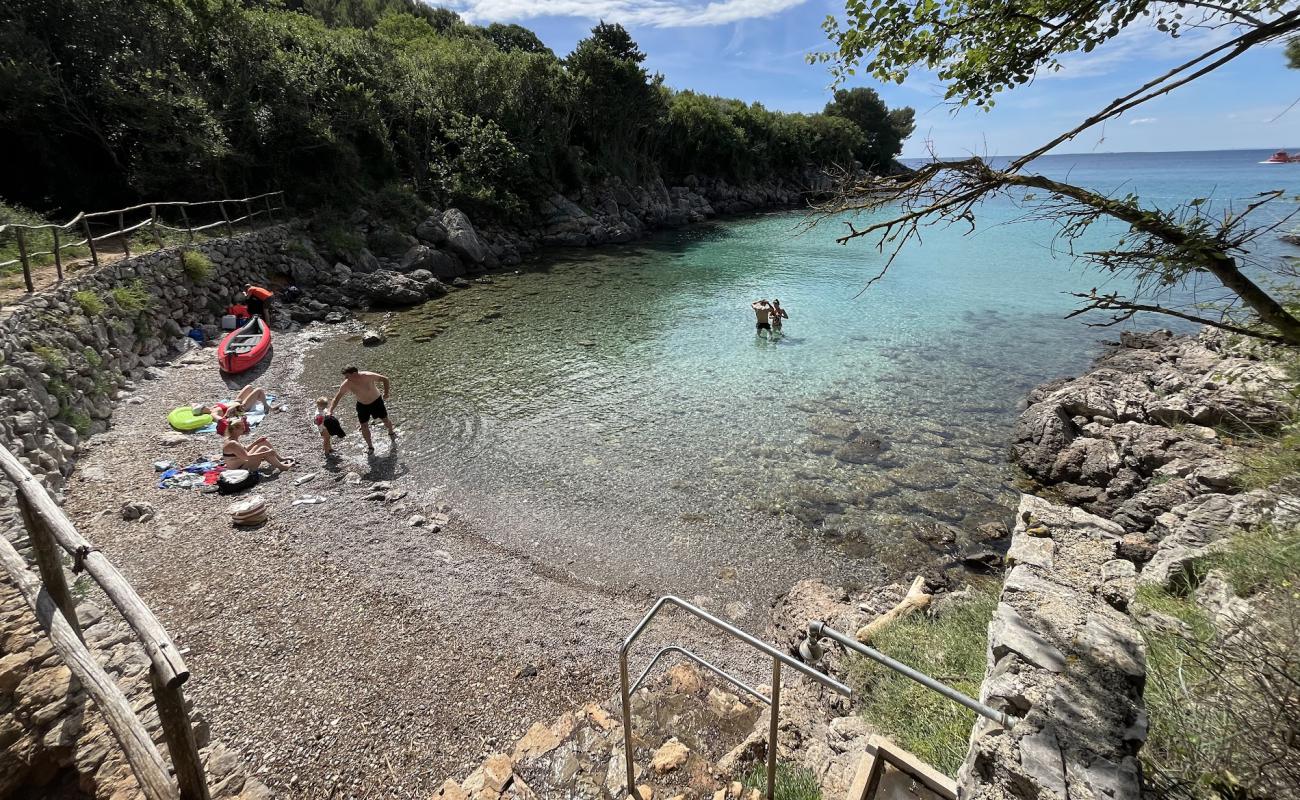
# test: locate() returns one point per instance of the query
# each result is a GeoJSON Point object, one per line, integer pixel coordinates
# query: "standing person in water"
{"type": "Point", "coordinates": [778, 314]}
{"type": "Point", "coordinates": [762, 310]}
{"type": "Point", "coordinates": [370, 401]}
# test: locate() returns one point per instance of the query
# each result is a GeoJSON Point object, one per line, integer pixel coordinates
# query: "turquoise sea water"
{"type": "Point", "coordinates": [612, 413]}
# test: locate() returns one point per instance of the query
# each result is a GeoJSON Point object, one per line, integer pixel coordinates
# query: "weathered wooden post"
{"type": "Point", "coordinates": [248, 207]}
{"type": "Point", "coordinates": [90, 241]}
{"type": "Point", "coordinates": [22, 256]}
{"type": "Point", "coordinates": [230, 231]}
{"type": "Point", "coordinates": [153, 225]}
{"type": "Point", "coordinates": [47, 559]}
{"type": "Point", "coordinates": [179, 735]}
{"type": "Point", "coordinates": [58, 257]}
{"type": "Point", "coordinates": [189, 232]}
{"type": "Point", "coordinates": [123, 237]}
{"type": "Point", "coordinates": [270, 214]}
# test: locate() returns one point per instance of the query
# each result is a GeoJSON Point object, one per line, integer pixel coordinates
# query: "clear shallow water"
{"type": "Point", "coordinates": [612, 413]}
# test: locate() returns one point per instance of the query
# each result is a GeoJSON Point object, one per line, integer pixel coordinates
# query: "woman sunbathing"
{"type": "Point", "coordinates": [236, 456]}
{"type": "Point", "coordinates": [249, 397]}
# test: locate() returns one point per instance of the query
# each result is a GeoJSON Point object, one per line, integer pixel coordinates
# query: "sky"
{"type": "Point", "coordinates": [755, 50]}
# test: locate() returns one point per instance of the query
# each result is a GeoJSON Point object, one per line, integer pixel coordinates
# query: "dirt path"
{"type": "Point", "coordinates": [343, 652]}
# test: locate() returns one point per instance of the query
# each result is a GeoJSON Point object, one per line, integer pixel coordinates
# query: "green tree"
{"type": "Point", "coordinates": [883, 130]}
{"type": "Point", "coordinates": [515, 37]}
{"type": "Point", "coordinates": [618, 107]}
{"type": "Point", "coordinates": [980, 48]}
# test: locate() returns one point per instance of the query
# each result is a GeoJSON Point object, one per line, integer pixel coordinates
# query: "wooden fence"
{"type": "Point", "coordinates": [50, 531]}
{"type": "Point", "coordinates": [65, 235]}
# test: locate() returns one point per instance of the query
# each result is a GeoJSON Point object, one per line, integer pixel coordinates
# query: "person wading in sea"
{"type": "Point", "coordinates": [762, 309]}
{"type": "Point", "coordinates": [778, 314]}
{"type": "Point", "coordinates": [370, 401]}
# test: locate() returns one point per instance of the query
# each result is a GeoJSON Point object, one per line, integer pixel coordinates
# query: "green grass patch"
{"type": "Point", "coordinates": [792, 783]}
{"type": "Point", "coordinates": [1223, 704]}
{"type": "Point", "coordinates": [951, 647]}
{"type": "Point", "coordinates": [93, 358]}
{"type": "Point", "coordinates": [79, 421]}
{"type": "Point", "coordinates": [340, 239]}
{"type": "Point", "coordinates": [91, 304]}
{"type": "Point", "coordinates": [197, 266]}
{"type": "Point", "coordinates": [133, 298]}
{"type": "Point", "coordinates": [51, 356]}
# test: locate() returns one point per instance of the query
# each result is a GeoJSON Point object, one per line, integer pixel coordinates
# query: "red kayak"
{"type": "Point", "coordinates": [243, 348]}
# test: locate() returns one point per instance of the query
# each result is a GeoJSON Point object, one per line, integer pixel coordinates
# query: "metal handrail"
{"type": "Point", "coordinates": [816, 630]}
{"type": "Point", "coordinates": [778, 658]}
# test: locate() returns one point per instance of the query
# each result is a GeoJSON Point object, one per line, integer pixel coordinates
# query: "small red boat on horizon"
{"type": "Point", "coordinates": [244, 348]}
{"type": "Point", "coordinates": [1281, 157]}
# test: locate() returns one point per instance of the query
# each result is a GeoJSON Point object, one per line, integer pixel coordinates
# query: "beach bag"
{"type": "Point", "coordinates": [234, 481]}
{"type": "Point", "coordinates": [250, 512]}
{"type": "Point", "coordinates": [333, 425]}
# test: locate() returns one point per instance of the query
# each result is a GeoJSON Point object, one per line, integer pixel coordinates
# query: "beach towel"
{"type": "Point", "coordinates": [195, 475]}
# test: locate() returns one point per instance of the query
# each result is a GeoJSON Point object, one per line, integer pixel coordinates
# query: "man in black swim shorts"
{"type": "Point", "coordinates": [370, 402]}
{"type": "Point", "coordinates": [762, 310]}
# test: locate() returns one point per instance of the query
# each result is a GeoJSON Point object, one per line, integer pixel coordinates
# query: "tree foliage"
{"type": "Point", "coordinates": [980, 48]}
{"type": "Point", "coordinates": [106, 103]}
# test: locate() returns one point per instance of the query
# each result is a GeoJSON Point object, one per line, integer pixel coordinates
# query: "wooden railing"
{"type": "Point", "coordinates": [65, 235]}
{"type": "Point", "coordinates": [50, 531]}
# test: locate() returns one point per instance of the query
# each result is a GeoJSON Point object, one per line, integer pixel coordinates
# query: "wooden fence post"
{"type": "Point", "coordinates": [22, 256]}
{"type": "Point", "coordinates": [189, 232]}
{"type": "Point", "coordinates": [248, 206]}
{"type": "Point", "coordinates": [124, 238]}
{"type": "Point", "coordinates": [47, 559]}
{"type": "Point", "coordinates": [230, 231]}
{"type": "Point", "coordinates": [153, 225]}
{"type": "Point", "coordinates": [90, 242]}
{"type": "Point", "coordinates": [269, 213]}
{"type": "Point", "coordinates": [58, 257]}
{"type": "Point", "coordinates": [179, 735]}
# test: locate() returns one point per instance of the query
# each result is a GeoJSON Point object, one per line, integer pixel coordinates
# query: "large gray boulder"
{"type": "Point", "coordinates": [462, 238]}
{"type": "Point", "coordinates": [386, 287]}
{"type": "Point", "coordinates": [431, 230]}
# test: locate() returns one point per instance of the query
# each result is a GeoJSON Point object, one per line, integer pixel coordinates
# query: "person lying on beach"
{"type": "Point", "coordinates": [235, 456]}
{"type": "Point", "coordinates": [248, 397]}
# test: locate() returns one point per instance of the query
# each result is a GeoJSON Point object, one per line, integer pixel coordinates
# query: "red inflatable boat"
{"type": "Point", "coordinates": [243, 348]}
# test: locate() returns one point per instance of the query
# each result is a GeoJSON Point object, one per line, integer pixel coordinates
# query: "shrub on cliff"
{"type": "Point", "coordinates": [132, 298]}
{"type": "Point", "coordinates": [196, 266]}
{"type": "Point", "coordinates": [91, 304]}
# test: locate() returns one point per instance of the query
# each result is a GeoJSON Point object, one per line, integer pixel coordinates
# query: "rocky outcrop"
{"type": "Point", "coordinates": [1064, 659]}
{"type": "Point", "coordinates": [1142, 432]}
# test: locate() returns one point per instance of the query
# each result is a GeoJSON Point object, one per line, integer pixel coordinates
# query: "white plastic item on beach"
{"type": "Point", "coordinates": [304, 479]}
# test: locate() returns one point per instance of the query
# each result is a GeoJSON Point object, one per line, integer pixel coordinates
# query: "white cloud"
{"type": "Point", "coordinates": [1142, 121]}
{"type": "Point", "coordinates": [655, 13]}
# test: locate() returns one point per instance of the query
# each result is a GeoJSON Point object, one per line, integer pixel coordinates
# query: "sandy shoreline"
{"type": "Point", "coordinates": [341, 651]}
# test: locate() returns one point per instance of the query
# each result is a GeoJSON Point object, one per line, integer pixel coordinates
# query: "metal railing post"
{"type": "Point", "coordinates": [626, 696]}
{"type": "Point", "coordinates": [22, 256]}
{"type": "Point", "coordinates": [58, 257]}
{"type": "Point", "coordinates": [771, 729]}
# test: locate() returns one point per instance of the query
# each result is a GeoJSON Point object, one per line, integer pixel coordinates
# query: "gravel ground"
{"type": "Point", "coordinates": [341, 651]}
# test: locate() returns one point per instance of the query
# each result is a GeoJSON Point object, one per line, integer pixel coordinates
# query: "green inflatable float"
{"type": "Point", "coordinates": [184, 419]}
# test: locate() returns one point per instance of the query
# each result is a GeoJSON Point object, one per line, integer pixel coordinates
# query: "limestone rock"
{"type": "Point", "coordinates": [671, 755]}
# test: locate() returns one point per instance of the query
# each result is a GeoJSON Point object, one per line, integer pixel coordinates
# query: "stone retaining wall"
{"type": "Point", "coordinates": [65, 353]}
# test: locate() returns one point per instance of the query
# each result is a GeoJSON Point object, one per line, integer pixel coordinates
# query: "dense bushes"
{"type": "Point", "coordinates": [104, 103]}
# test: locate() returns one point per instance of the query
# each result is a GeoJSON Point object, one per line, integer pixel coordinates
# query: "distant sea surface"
{"type": "Point", "coordinates": [612, 413]}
